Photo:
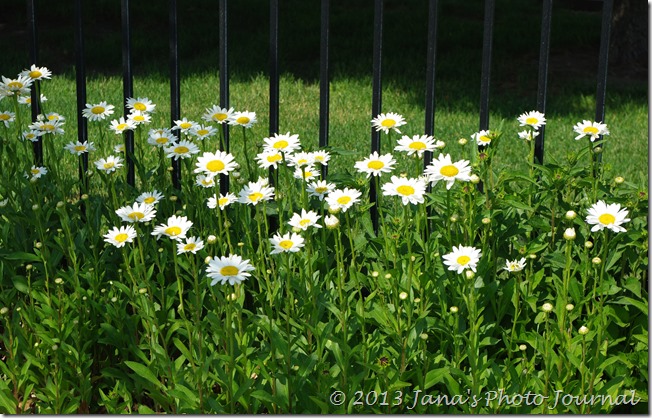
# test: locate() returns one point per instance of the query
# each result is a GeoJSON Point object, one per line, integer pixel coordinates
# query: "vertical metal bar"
{"type": "Point", "coordinates": [175, 89]}
{"type": "Point", "coordinates": [273, 68]}
{"type": "Point", "coordinates": [607, 10]}
{"type": "Point", "coordinates": [33, 55]}
{"type": "Point", "coordinates": [431, 60]}
{"type": "Point", "coordinates": [376, 100]}
{"type": "Point", "coordinates": [324, 79]}
{"type": "Point", "coordinates": [542, 88]}
{"type": "Point", "coordinates": [487, 43]}
{"type": "Point", "coordinates": [224, 83]}
{"type": "Point", "coordinates": [80, 77]}
{"type": "Point", "coordinates": [127, 88]}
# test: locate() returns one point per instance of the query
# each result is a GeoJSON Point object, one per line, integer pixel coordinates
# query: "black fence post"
{"type": "Point", "coordinates": [80, 78]}
{"type": "Point", "coordinates": [175, 89]}
{"type": "Point", "coordinates": [542, 86]}
{"type": "Point", "coordinates": [605, 34]}
{"type": "Point", "coordinates": [324, 80]}
{"type": "Point", "coordinates": [127, 89]}
{"type": "Point", "coordinates": [224, 84]}
{"type": "Point", "coordinates": [487, 44]}
{"type": "Point", "coordinates": [376, 101]}
{"type": "Point", "coordinates": [33, 56]}
{"type": "Point", "coordinates": [431, 61]}
{"type": "Point", "coordinates": [273, 77]}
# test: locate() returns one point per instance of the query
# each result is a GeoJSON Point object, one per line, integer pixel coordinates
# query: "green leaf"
{"type": "Point", "coordinates": [144, 372]}
{"type": "Point", "coordinates": [21, 256]}
{"type": "Point", "coordinates": [625, 300]}
{"type": "Point", "coordinates": [435, 376]}
{"type": "Point", "coordinates": [20, 283]}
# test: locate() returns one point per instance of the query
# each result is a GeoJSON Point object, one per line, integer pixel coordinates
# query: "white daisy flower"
{"type": "Point", "coordinates": [409, 190]}
{"type": "Point", "coordinates": [322, 157]}
{"type": "Point", "coordinates": [222, 202]}
{"type": "Point", "coordinates": [386, 121]}
{"type": "Point", "coordinates": [27, 100]}
{"type": "Point", "coordinates": [6, 117]}
{"type": "Point", "coordinates": [138, 212]}
{"type": "Point", "coordinates": [30, 135]}
{"type": "Point", "coordinates": [462, 258]}
{"type": "Point", "coordinates": [307, 173]}
{"type": "Point", "coordinates": [150, 198]}
{"type": "Point", "coordinates": [184, 125]}
{"type": "Point", "coordinates": [593, 129]}
{"type": "Point", "coordinates": [212, 164]}
{"type": "Point", "coordinates": [43, 127]}
{"type": "Point", "coordinates": [286, 243]}
{"type": "Point", "coordinates": [232, 269]}
{"type": "Point", "coordinates": [528, 135]}
{"type": "Point", "coordinates": [320, 188]}
{"type": "Point", "coordinates": [376, 164]}
{"type": "Point", "coordinates": [79, 148]}
{"type": "Point", "coordinates": [37, 73]}
{"type": "Point", "coordinates": [300, 159]}
{"type": "Point", "coordinates": [99, 111]}
{"type": "Point", "coordinates": [304, 220]}
{"type": "Point", "coordinates": [19, 86]}
{"type": "Point", "coordinates": [254, 193]}
{"type": "Point", "coordinates": [442, 168]}
{"type": "Point", "coordinates": [121, 125]}
{"type": "Point", "coordinates": [203, 131]}
{"type": "Point", "coordinates": [245, 119]}
{"type": "Point", "coordinates": [175, 228]}
{"type": "Point", "coordinates": [139, 118]}
{"type": "Point", "coordinates": [142, 104]}
{"type": "Point", "coordinates": [161, 138]}
{"type": "Point", "coordinates": [483, 138]}
{"type": "Point", "coordinates": [267, 159]}
{"type": "Point", "coordinates": [120, 236]}
{"type": "Point", "coordinates": [418, 144]}
{"type": "Point", "coordinates": [342, 199]}
{"type": "Point", "coordinates": [602, 215]}
{"type": "Point", "coordinates": [192, 245]}
{"type": "Point", "coordinates": [217, 114]}
{"type": "Point", "coordinates": [38, 172]}
{"type": "Point", "coordinates": [182, 149]}
{"type": "Point", "coordinates": [515, 265]}
{"type": "Point", "coordinates": [109, 164]}
{"type": "Point", "coordinates": [205, 181]}
{"type": "Point", "coordinates": [286, 143]}
{"type": "Point", "coordinates": [54, 116]}
{"type": "Point", "coordinates": [533, 119]}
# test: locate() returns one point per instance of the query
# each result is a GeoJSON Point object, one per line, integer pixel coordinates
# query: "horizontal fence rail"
{"type": "Point", "coordinates": [324, 77]}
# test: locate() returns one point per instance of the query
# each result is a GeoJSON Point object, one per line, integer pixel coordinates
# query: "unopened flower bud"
{"type": "Point", "coordinates": [462, 141]}
{"type": "Point", "coordinates": [453, 309]}
{"type": "Point", "coordinates": [569, 234]}
{"type": "Point", "coordinates": [388, 276]}
{"type": "Point", "coordinates": [402, 295]}
{"type": "Point", "coordinates": [58, 280]}
{"type": "Point", "coordinates": [596, 260]}
{"type": "Point", "coordinates": [546, 307]}
{"type": "Point", "coordinates": [374, 274]}
{"type": "Point", "coordinates": [570, 307]}
{"type": "Point", "coordinates": [475, 179]}
{"type": "Point", "coordinates": [619, 180]}
{"type": "Point", "coordinates": [469, 274]}
{"type": "Point", "coordinates": [583, 330]}
{"type": "Point", "coordinates": [60, 204]}
{"type": "Point", "coordinates": [173, 198]}
{"type": "Point", "coordinates": [588, 244]}
{"type": "Point", "coordinates": [84, 196]}
{"type": "Point", "coordinates": [208, 259]}
{"type": "Point", "coordinates": [4, 310]}
{"type": "Point", "coordinates": [570, 215]}
{"type": "Point", "coordinates": [522, 347]}
{"type": "Point", "coordinates": [35, 206]}
{"type": "Point", "coordinates": [211, 239]}
{"type": "Point", "coordinates": [486, 221]}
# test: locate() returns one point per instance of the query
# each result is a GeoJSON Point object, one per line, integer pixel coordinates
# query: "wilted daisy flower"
{"type": "Point", "coordinates": [217, 114]}
{"type": "Point", "coordinates": [442, 168]}
{"type": "Point", "coordinates": [119, 148]}
{"type": "Point", "coordinates": [161, 138]}
{"type": "Point", "coordinates": [182, 149]}
{"type": "Point", "coordinates": [267, 159]}
{"type": "Point", "coordinates": [304, 220]}
{"type": "Point", "coordinates": [286, 243]}
{"type": "Point", "coordinates": [602, 215]}
{"type": "Point", "coordinates": [528, 135]}
{"type": "Point", "coordinates": [462, 258]}
{"type": "Point", "coordinates": [44, 127]}
{"type": "Point", "coordinates": [150, 198]}
{"type": "Point", "coordinates": [386, 121]}
{"type": "Point", "coordinates": [184, 125]}
{"type": "Point", "coordinates": [483, 138]}
{"type": "Point", "coordinates": [515, 265]}
{"type": "Point", "coordinates": [592, 129]}
{"type": "Point", "coordinates": [119, 236]}
{"type": "Point", "coordinates": [142, 104]}
{"type": "Point", "coordinates": [320, 188]}
{"type": "Point", "coordinates": [27, 100]}
{"type": "Point", "coordinates": [18, 86]}
{"type": "Point", "coordinates": [109, 164]}
{"type": "Point", "coordinates": [417, 144]}
{"type": "Point", "coordinates": [99, 111]}
{"type": "Point", "coordinates": [205, 181]}
{"type": "Point", "coordinates": [37, 73]}
{"type": "Point", "coordinates": [120, 125]}
{"type": "Point", "coordinates": [79, 148]}
{"type": "Point", "coordinates": [376, 164]}
{"type": "Point", "coordinates": [300, 159]}
{"type": "Point", "coordinates": [138, 117]}
{"type": "Point", "coordinates": [30, 135]}
{"type": "Point", "coordinates": [203, 131]}
{"type": "Point", "coordinates": [409, 190]}
{"type": "Point", "coordinates": [255, 192]}
{"type": "Point", "coordinates": [138, 212]}
{"type": "Point", "coordinates": [232, 269]}
{"type": "Point", "coordinates": [322, 157]}
{"type": "Point", "coordinates": [534, 119]}
{"type": "Point", "coordinates": [175, 228]}
{"type": "Point", "coordinates": [6, 117]}
{"type": "Point", "coordinates": [212, 164]}
{"type": "Point", "coordinates": [245, 119]}
{"type": "Point", "coordinates": [306, 173]}
{"type": "Point", "coordinates": [286, 143]}
{"type": "Point", "coordinates": [192, 245]}
{"type": "Point", "coordinates": [38, 172]}
{"type": "Point", "coordinates": [222, 202]}
{"type": "Point", "coordinates": [342, 199]}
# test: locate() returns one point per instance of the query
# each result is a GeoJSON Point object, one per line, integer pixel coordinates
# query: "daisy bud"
{"type": "Point", "coordinates": [35, 206]}
{"type": "Point", "coordinates": [570, 215]}
{"type": "Point", "coordinates": [454, 218]}
{"type": "Point", "coordinates": [55, 347]}
{"type": "Point", "coordinates": [331, 221]}
{"type": "Point", "coordinates": [28, 267]}
{"type": "Point", "coordinates": [241, 244]}
{"type": "Point", "coordinates": [440, 144]}
{"type": "Point", "coordinates": [333, 211]}
{"type": "Point", "coordinates": [453, 309]}
{"type": "Point", "coordinates": [522, 347]}
{"type": "Point", "coordinates": [532, 256]}
{"type": "Point", "coordinates": [402, 295]}
{"type": "Point", "coordinates": [170, 169]}
{"type": "Point", "coordinates": [388, 276]}
{"type": "Point", "coordinates": [296, 230]}
{"type": "Point", "coordinates": [3, 203]}
{"type": "Point", "coordinates": [570, 307]}
{"type": "Point", "coordinates": [60, 204]}
{"type": "Point", "coordinates": [4, 310]}
{"type": "Point", "coordinates": [18, 309]}
{"type": "Point", "coordinates": [475, 179]}
{"type": "Point", "coordinates": [207, 259]}
{"type": "Point", "coordinates": [374, 274]}
{"type": "Point", "coordinates": [619, 180]}
{"type": "Point", "coordinates": [583, 330]}
{"type": "Point", "coordinates": [547, 307]}
{"type": "Point", "coordinates": [160, 250]}
{"type": "Point", "coordinates": [211, 239]}
{"type": "Point", "coordinates": [413, 258]}
{"type": "Point", "coordinates": [173, 198]}
{"type": "Point", "coordinates": [142, 290]}
{"type": "Point", "coordinates": [58, 280]}
{"type": "Point", "coordinates": [486, 221]}
{"type": "Point", "coordinates": [469, 274]}
{"type": "Point", "coordinates": [84, 196]}
{"type": "Point", "coordinates": [588, 244]}
{"type": "Point", "coordinates": [462, 141]}
{"type": "Point", "coordinates": [38, 245]}
{"type": "Point", "coordinates": [569, 234]}
{"type": "Point", "coordinates": [424, 336]}
{"type": "Point", "coordinates": [597, 150]}
{"type": "Point", "coordinates": [235, 174]}
{"type": "Point", "coordinates": [596, 260]}
{"type": "Point", "coordinates": [417, 300]}
{"type": "Point", "coordinates": [114, 299]}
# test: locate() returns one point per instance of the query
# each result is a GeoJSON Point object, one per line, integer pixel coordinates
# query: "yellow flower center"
{"type": "Point", "coordinates": [280, 144]}
{"type": "Point", "coordinates": [219, 116]}
{"type": "Point", "coordinates": [531, 120]}
{"type": "Point", "coordinates": [161, 140]}
{"type": "Point", "coordinates": [223, 201]}
{"type": "Point", "coordinates": [121, 237]}
{"type": "Point", "coordinates": [53, 117]}
{"type": "Point", "coordinates": [286, 244]}
{"type": "Point", "coordinates": [607, 219]}
{"type": "Point", "coordinates": [140, 106]}
{"type": "Point", "coordinates": [274, 158]}
{"type": "Point", "coordinates": [137, 216]}
{"type": "Point", "coordinates": [388, 123]}
{"type": "Point", "coordinates": [463, 260]}
{"type": "Point", "coordinates": [449, 171]}
{"type": "Point", "coordinates": [48, 127]}
{"type": "Point", "coordinates": [375, 165]}
{"type": "Point", "coordinates": [181, 149]}
{"type": "Point", "coordinates": [185, 125]}
{"type": "Point", "coordinates": [35, 171]}
{"type": "Point", "coordinates": [121, 127]}
{"type": "Point", "coordinates": [35, 74]}
{"type": "Point", "coordinates": [417, 145]}
{"type": "Point", "coordinates": [302, 161]}
{"type": "Point", "coordinates": [485, 138]}
{"type": "Point", "coordinates": [255, 197]}
{"type": "Point", "coordinates": [108, 165]}
{"type": "Point", "coordinates": [149, 200]}
{"type": "Point", "coordinates": [215, 166]}
{"type": "Point", "coordinates": [243, 120]}
{"type": "Point", "coordinates": [344, 200]}
{"type": "Point", "coordinates": [405, 190]}
{"type": "Point", "coordinates": [207, 182]}
{"type": "Point", "coordinates": [97, 110]}
{"type": "Point", "coordinates": [202, 132]}
{"type": "Point", "coordinates": [319, 158]}
{"type": "Point", "coordinates": [304, 222]}
{"type": "Point", "coordinates": [15, 85]}
{"type": "Point", "coordinates": [591, 130]}
{"type": "Point", "coordinates": [80, 148]}
{"type": "Point", "coordinates": [172, 231]}
{"type": "Point", "coordinates": [4, 116]}
{"type": "Point", "coordinates": [321, 190]}
{"type": "Point", "coordinates": [139, 118]}
{"type": "Point", "coordinates": [229, 271]}
{"type": "Point", "coordinates": [189, 247]}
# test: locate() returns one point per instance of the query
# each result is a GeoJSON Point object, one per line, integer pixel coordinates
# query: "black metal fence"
{"type": "Point", "coordinates": [324, 75]}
